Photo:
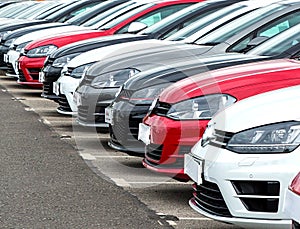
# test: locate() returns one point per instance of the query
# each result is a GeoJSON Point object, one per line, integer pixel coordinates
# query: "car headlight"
{"type": "Point", "coordinates": [113, 78]}
{"type": "Point", "coordinates": [274, 138]}
{"type": "Point", "coordinates": [147, 95]}
{"type": "Point", "coordinates": [62, 61]}
{"type": "Point", "coordinates": [21, 46]}
{"type": "Point", "coordinates": [78, 72]}
{"type": "Point", "coordinates": [42, 51]}
{"type": "Point", "coordinates": [9, 42]}
{"type": "Point", "coordinates": [198, 108]}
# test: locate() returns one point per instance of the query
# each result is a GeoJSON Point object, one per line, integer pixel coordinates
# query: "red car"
{"type": "Point", "coordinates": [149, 13]}
{"type": "Point", "coordinates": [180, 116]}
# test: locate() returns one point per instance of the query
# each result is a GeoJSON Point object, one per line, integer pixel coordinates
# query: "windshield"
{"type": "Point", "coordinates": [236, 26]}
{"type": "Point", "coordinates": [105, 17]}
{"type": "Point", "coordinates": [126, 16]}
{"type": "Point", "coordinates": [279, 44]}
{"type": "Point", "coordinates": [36, 10]}
{"type": "Point", "coordinates": [203, 22]}
{"type": "Point", "coordinates": [54, 10]}
{"type": "Point", "coordinates": [16, 9]}
{"type": "Point", "coordinates": [77, 20]}
{"type": "Point", "coordinates": [171, 19]}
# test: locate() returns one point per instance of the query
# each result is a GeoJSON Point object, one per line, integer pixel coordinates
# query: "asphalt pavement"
{"type": "Point", "coordinates": [46, 184]}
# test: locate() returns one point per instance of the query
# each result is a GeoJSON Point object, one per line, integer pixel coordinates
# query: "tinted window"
{"type": "Point", "coordinates": [77, 11]}
{"type": "Point", "coordinates": [237, 26]}
{"type": "Point", "coordinates": [278, 44]}
{"type": "Point", "coordinates": [126, 16]}
{"type": "Point", "coordinates": [269, 30]}
{"type": "Point", "coordinates": [156, 16]}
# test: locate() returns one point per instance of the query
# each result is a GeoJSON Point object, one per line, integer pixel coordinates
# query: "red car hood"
{"type": "Point", "coordinates": [240, 81]}
{"type": "Point", "coordinates": [66, 38]}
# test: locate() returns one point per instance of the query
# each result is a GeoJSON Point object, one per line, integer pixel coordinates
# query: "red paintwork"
{"type": "Point", "coordinates": [239, 81]}
{"type": "Point", "coordinates": [295, 185]}
{"type": "Point", "coordinates": [68, 38]}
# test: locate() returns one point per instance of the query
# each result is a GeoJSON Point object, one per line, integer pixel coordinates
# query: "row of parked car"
{"type": "Point", "coordinates": [202, 90]}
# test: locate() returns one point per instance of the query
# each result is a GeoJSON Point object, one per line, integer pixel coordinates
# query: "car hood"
{"type": "Point", "coordinates": [17, 25]}
{"type": "Point", "coordinates": [178, 69]}
{"type": "Point", "coordinates": [270, 107]}
{"type": "Point", "coordinates": [149, 53]}
{"type": "Point", "coordinates": [43, 34]}
{"type": "Point", "coordinates": [228, 79]}
{"type": "Point", "coordinates": [87, 45]}
{"type": "Point", "coordinates": [22, 31]}
{"type": "Point", "coordinates": [114, 54]}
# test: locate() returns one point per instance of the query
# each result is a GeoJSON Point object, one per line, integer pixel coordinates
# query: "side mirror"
{"type": "Point", "coordinates": [136, 27]}
{"type": "Point", "coordinates": [257, 41]}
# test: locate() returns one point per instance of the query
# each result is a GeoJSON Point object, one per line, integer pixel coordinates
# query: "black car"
{"type": "Point", "coordinates": [62, 15]}
{"type": "Point", "coordinates": [158, 31]}
{"type": "Point", "coordinates": [94, 101]}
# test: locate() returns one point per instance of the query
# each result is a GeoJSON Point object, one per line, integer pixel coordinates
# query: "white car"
{"type": "Point", "coordinates": [246, 159]}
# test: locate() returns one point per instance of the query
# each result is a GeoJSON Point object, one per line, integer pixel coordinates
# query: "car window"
{"type": "Point", "coordinates": [77, 11]}
{"type": "Point", "coordinates": [225, 32]}
{"type": "Point", "coordinates": [155, 16]}
{"type": "Point", "coordinates": [269, 30]}
{"type": "Point", "coordinates": [110, 15]}
{"type": "Point", "coordinates": [189, 22]}
{"type": "Point", "coordinates": [126, 16]}
{"type": "Point", "coordinates": [279, 44]}
{"type": "Point", "coordinates": [204, 21]}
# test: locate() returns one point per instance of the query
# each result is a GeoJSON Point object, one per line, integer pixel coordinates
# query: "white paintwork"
{"type": "Point", "coordinates": [13, 56]}
{"type": "Point", "coordinates": [47, 32]}
{"type": "Point", "coordinates": [67, 86]}
{"type": "Point", "coordinates": [222, 165]}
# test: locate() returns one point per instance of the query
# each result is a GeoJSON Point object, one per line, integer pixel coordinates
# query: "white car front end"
{"type": "Point", "coordinates": [246, 184]}
{"type": "Point", "coordinates": [11, 59]}
{"type": "Point", "coordinates": [66, 86]}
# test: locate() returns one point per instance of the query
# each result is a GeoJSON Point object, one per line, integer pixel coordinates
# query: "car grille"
{"type": "Point", "coordinates": [97, 117]}
{"type": "Point", "coordinates": [10, 69]}
{"type": "Point", "coordinates": [208, 197]}
{"type": "Point", "coordinates": [63, 103]}
{"type": "Point", "coordinates": [154, 153]}
{"type": "Point", "coordinates": [22, 76]}
{"type": "Point", "coordinates": [221, 138]}
{"type": "Point", "coordinates": [125, 133]}
{"type": "Point", "coordinates": [161, 109]}
{"type": "Point", "coordinates": [48, 88]}
{"type": "Point", "coordinates": [258, 196]}
{"type": "Point", "coordinates": [34, 73]}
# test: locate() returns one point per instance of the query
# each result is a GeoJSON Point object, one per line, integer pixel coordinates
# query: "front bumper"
{"type": "Point", "coordinates": [3, 50]}
{"type": "Point", "coordinates": [124, 131]}
{"type": "Point", "coordinates": [170, 140]}
{"type": "Point", "coordinates": [29, 69]}
{"type": "Point", "coordinates": [51, 74]}
{"type": "Point", "coordinates": [12, 64]}
{"type": "Point", "coordinates": [91, 105]}
{"type": "Point", "coordinates": [252, 191]}
{"type": "Point", "coordinates": [67, 87]}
